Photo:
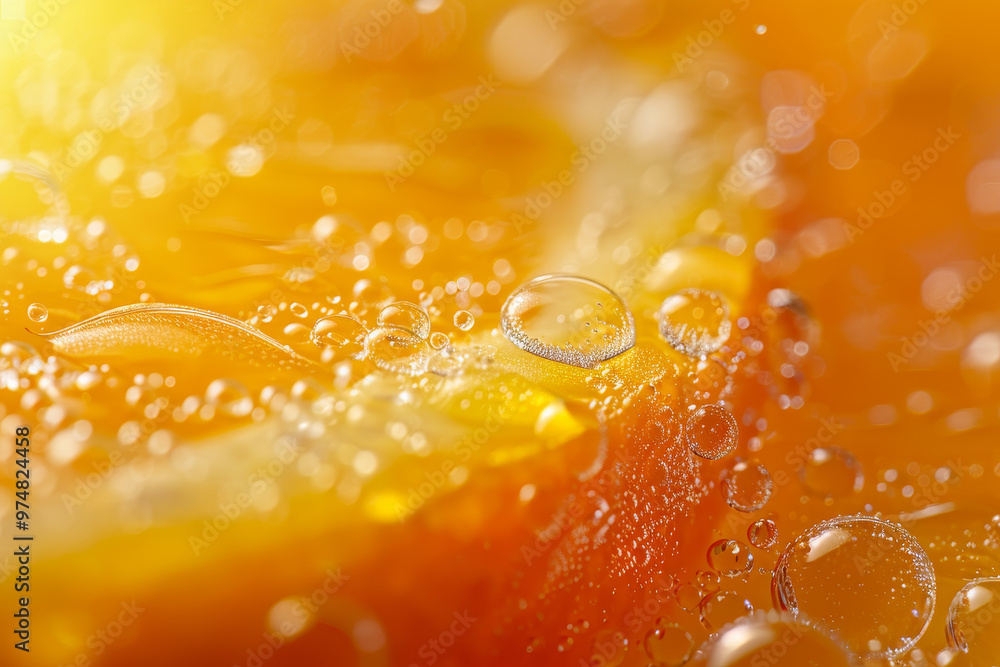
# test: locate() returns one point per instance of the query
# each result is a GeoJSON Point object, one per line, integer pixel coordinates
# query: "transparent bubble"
{"type": "Point", "coordinates": [296, 333]}
{"type": "Point", "coordinates": [668, 644]}
{"type": "Point", "coordinates": [464, 320]}
{"type": "Point", "coordinates": [229, 397]}
{"type": "Point", "coordinates": [974, 621]}
{"type": "Point", "coordinates": [762, 533]}
{"type": "Point", "coordinates": [747, 486]}
{"type": "Point", "coordinates": [345, 335]}
{"type": "Point", "coordinates": [405, 315]}
{"type": "Point", "coordinates": [722, 607]}
{"type": "Point", "coordinates": [398, 350]}
{"type": "Point", "coordinates": [831, 472]}
{"type": "Point", "coordinates": [865, 579]}
{"type": "Point", "coordinates": [730, 558]}
{"type": "Point", "coordinates": [568, 319]}
{"type": "Point", "coordinates": [688, 595]}
{"type": "Point", "coordinates": [38, 312]}
{"type": "Point", "coordinates": [711, 432]}
{"type": "Point", "coordinates": [773, 639]}
{"type": "Point", "coordinates": [609, 648]}
{"type": "Point", "coordinates": [371, 293]}
{"type": "Point", "coordinates": [695, 322]}
{"type": "Point", "coordinates": [439, 340]}
{"type": "Point", "coordinates": [298, 310]}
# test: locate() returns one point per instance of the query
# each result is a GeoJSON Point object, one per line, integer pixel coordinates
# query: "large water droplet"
{"type": "Point", "coordinates": [831, 472]}
{"type": "Point", "coordinates": [568, 319]}
{"type": "Point", "coordinates": [38, 312]}
{"type": "Point", "coordinates": [398, 350]}
{"type": "Point", "coordinates": [730, 558]}
{"type": "Point", "coordinates": [865, 579]}
{"type": "Point", "coordinates": [711, 432]}
{"type": "Point", "coordinates": [695, 322]}
{"type": "Point", "coordinates": [772, 639]}
{"type": "Point", "coordinates": [974, 621]}
{"type": "Point", "coordinates": [668, 644]}
{"type": "Point", "coordinates": [341, 333]}
{"type": "Point", "coordinates": [405, 315]}
{"type": "Point", "coordinates": [747, 486]}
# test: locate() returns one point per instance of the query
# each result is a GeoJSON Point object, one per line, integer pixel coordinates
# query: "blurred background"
{"type": "Point", "coordinates": [326, 451]}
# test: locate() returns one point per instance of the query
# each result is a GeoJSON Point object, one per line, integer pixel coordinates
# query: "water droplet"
{"type": "Point", "coordinates": [371, 293]}
{"type": "Point", "coordinates": [340, 333]}
{"type": "Point", "coordinates": [722, 607]}
{"type": "Point", "coordinates": [711, 432]}
{"type": "Point", "coordinates": [762, 533]}
{"type": "Point", "coordinates": [974, 621]}
{"type": "Point", "coordinates": [772, 639]}
{"type": "Point", "coordinates": [37, 312]}
{"type": "Point", "coordinates": [296, 333]}
{"type": "Point", "coordinates": [831, 472]}
{"type": "Point", "coordinates": [398, 350]}
{"type": "Point", "coordinates": [707, 580]}
{"type": "Point", "coordinates": [668, 644]}
{"type": "Point", "coordinates": [439, 340]}
{"type": "Point", "coordinates": [298, 310]}
{"type": "Point", "coordinates": [866, 579]}
{"type": "Point", "coordinates": [730, 558]}
{"type": "Point", "coordinates": [229, 397]}
{"type": "Point", "coordinates": [747, 486]}
{"type": "Point", "coordinates": [464, 320]}
{"type": "Point", "coordinates": [695, 322]}
{"type": "Point", "coordinates": [406, 315]}
{"type": "Point", "coordinates": [688, 596]}
{"type": "Point", "coordinates": [568, 319]}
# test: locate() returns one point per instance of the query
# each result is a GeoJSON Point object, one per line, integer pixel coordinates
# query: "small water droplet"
{"type": "Point", "coordinates": [439, 340]}
{"type": "Point", "coordinates": [329, 195]}
{"type": "Point", "coordinates": [762, 533]}
{"type": "Point", "coordinates": [721, 608]}
{"type": "Point", "coordinates": [38, 312]}
{"type": "Point", "coordinates": [229, 397]}
{"type": "Point", "coordinates": [345, 335]}
{"type": "Point", "coordinates": [747, 486]}
{"type": "Point", "coordinates": [974, 621]}
{"type": "Point", "coordinates": [406, 315]}
{"type": "Point", "coordinates": [831, 472]}
{"type": "Point", "coordinates": [609, 647]}
{"type": "Point", "coordinates": [668, 644]}
{"type": "Point", "coordinates": [711, 432]}
{"type": "Point", "coordinates": [398, 350]}
{"type": "Point", "coordinates": [695, 322]}
{"type": "Point", "coordinates": [730, 558]}
{"type": "Point", "coordinates": [464, 320]}
{"type": "Point", "coordinates": [568, 319]}
{"type": "Point", "coordinates": [298, 310]}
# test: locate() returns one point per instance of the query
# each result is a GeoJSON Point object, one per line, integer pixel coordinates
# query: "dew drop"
{"type": "Point", "coordinates": [398, 350]}
{"type": "Point", "coordinates": [568, 319]}
{"type": "Point", "coordinates": [695, 322]}
{"type": "Point", "coordinates": [831, 472]}
{"type": "Point", "coordinates": [439, 340]}
{"type": "Point", "coordinates": [865, 579]}
{"type": "Point", "coordinates": [406, 315]}
{"type": "Point", "coordinates": [747, 486]}
{"type": "Point", "coordinates": [730, 558]}
{"type": "Point", "coordinates": [773, 639]}
{"type": "Point", "coordinates": [668, 644]}
{"type": "Point", "coordinates": [345, 335]}
{"type": "Point", "coordinates": [762, 533]}
{"type": "Point", "coordinates": [38, 312]}
{"type": "Point", "coordinates": [974, 621]}
{"type": "Point", "coordinates": [464, 320]}
{"type": "Point", "coordinates": [711, 432]}
{"type": "Point", "coordinates": [229, 397]}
